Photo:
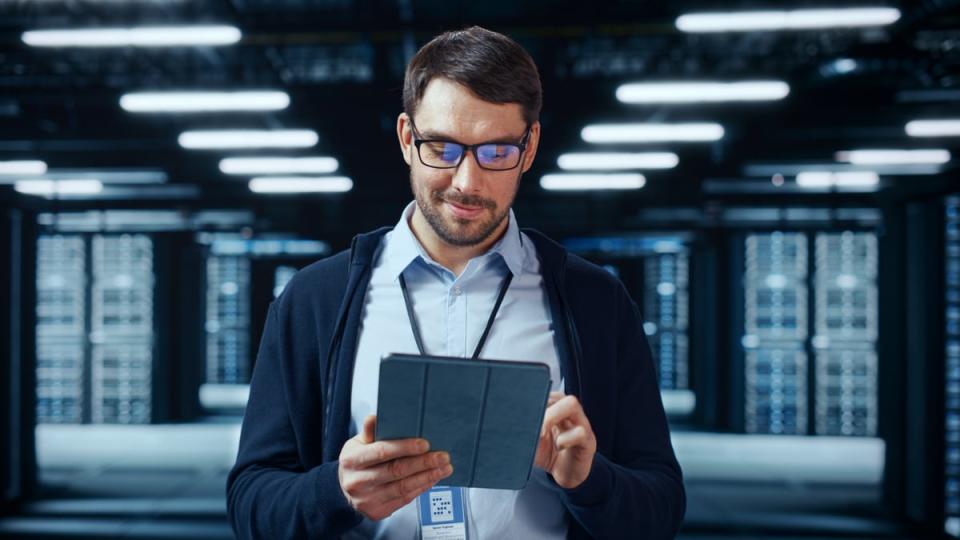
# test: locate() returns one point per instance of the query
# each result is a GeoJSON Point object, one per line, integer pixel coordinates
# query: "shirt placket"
{"type": "Point", "coordinates": [457, 320]}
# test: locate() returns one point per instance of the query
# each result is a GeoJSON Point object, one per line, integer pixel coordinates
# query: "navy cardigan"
{"type": "Point", "coordinates": [285, 483]}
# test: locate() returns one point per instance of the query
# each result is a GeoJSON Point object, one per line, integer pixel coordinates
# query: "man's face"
{"type": "Point", "coordinates": [467, 205]}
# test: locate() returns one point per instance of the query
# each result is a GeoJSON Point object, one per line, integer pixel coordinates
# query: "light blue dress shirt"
{"type": "Point", "coordinates": [452, 312]}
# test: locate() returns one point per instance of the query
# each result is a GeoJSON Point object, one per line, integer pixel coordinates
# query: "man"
{"type": "Point", "coordinates": [309, 466]}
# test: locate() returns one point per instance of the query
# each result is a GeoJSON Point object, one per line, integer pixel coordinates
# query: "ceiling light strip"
{"type": "Point", "coordinates": [799, 19]}
{"type": "Point", "coordinates": [142, 36]}
{"type": "Point", "coordinates": [278, 165]}
{"type": "Point", "coordinates": [644, 133]}
{"type": "Point", "coordinates": [233, 139]}
{"type": "Point", "coordinates": [578, 161]}
{"type": "Point", "coordinates": [592, 182]}
{"type": "Point", "coordinates": [199, 102]}
{"type": "Point", "coordinates": [702, 92]}
{"type": "Point", "coordinates": [300, 184]}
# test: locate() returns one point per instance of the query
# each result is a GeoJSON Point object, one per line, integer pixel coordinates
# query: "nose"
{"type": "Point", "coordinates": [468, 176]}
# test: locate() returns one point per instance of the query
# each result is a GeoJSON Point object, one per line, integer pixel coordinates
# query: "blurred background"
{"type": "Point", "coordinates": [777, 190]}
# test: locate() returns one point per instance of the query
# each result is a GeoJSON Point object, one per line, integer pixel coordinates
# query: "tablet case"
{"type": "Point", "coordinates": [486, 413]}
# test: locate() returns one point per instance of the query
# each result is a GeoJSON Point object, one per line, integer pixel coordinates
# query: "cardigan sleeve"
{"type": "Point", "coordinates": [638, 489]}
{"type": "Point", "coordinates": [270, 493]}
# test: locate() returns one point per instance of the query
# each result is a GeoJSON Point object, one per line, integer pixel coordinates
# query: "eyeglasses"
{"type": "Point", "coordinates": [493, 156]}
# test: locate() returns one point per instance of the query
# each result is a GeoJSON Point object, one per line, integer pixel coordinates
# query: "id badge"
{"type": "Point", "coordinates": [442, 515]}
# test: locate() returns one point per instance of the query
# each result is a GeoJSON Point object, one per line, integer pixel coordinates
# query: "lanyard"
{"type": "Point", "coordinates": [504, 285]}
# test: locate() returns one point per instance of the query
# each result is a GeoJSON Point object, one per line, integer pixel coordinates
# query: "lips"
{"type": "Point", "coordinates": [463, 212]}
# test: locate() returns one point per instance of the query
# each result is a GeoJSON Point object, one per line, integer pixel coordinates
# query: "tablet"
{"type": "Point", "coordinates": [486, 414]}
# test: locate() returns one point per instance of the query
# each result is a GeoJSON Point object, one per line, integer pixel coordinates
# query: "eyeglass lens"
{"type": "Point", "coordinates": [449, 154]}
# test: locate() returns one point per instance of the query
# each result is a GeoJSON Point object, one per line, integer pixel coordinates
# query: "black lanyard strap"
{"type": "Point", "coordinates": [415, 327]}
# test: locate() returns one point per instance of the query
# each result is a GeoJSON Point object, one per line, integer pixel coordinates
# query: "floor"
{"type": "Point", "coordinates": [167, 482]}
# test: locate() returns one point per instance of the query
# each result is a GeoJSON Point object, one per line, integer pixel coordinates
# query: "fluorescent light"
{"type": "Point", "coordinates": [105, 176]}
{"type": "Point", "coordinates": [229, 139]}
{"type": "Point", "coordinates": [856, 179]}
{"type": "Point", "coordinates": [278, 165]}
{"type": "Point", "coordinates": [138, 36]}
{"type": "Point", "coordinates": [799, 19]}
{"type": "Point", "coordinates": [768, 169]}
{"type": "Point", "coordinates": [178, 102]}
{"type": "Point", "coordinates": [617, 133]}
{"type": "Point", "coordinates": [300, 184]}
{"type": "Point", "coordinates": [827, 179]}
{"type": "Point", "coordinates": [817, 179]}
{"type": "Point", "coordinates": [702, 92]}
{"type": "Point", "coordinates": [583, 182]}
{"type": "Point", "coordinates": [47, 187]}
{"type": "Point", "coordinates": [894, 157]}
{"type": "Point", "coordinates": [933, 128]}
{"type": "Point", "coordinates": [843, 66]}
{"type": "Point", "coordinates": [613, 161]}
{"type": "Point", "coordinates": [25, 168]}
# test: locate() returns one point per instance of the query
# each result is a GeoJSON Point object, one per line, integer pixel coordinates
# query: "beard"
{"type": "Point", "coordinates": [455, 231]}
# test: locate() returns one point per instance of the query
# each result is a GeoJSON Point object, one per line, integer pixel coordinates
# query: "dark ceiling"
{"type": "Point", "coordinates": [342, 63]}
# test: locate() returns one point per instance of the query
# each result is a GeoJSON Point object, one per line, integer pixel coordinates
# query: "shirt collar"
{"type": "Point", "coordinates": [403, 248]}
{"type": "Point", "coordinates": [510, 246]}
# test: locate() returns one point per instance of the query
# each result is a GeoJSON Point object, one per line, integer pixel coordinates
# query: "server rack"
{"type": "Point", "coordinates": [655, 269]}
{"type": "Point", "coordinates": [243, 275]}
{"type": "Point", "coordinates": [666, 310]}
{"type": "Point", "coordinates": [61, 329]}
{"type": "Point", "coordinates": [228, 319]}
{"type": "Point", "coordinates": [95, 328]}
{"type": "Point", "coordinates": [846, 319]}
{"type": "Point", "coordinates": [952, 367]}
{"type": "Point", "coordinates": [137, 276]}
{"type": "Point", "coordinates": [775, 330]}
{"type": "Point", "coordinates": [810, 367]}
{"type": "Point", "coordinates": [122, 329]}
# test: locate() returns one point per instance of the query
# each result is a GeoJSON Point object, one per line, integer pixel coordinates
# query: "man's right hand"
{"type": "Point", "coordinates": [380, 477]}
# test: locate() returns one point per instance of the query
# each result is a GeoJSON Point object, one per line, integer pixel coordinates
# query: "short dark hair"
{"type": "Point", "coordinates": [494, 67]}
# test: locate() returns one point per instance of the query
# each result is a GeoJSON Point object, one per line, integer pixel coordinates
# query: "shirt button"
{"type": "Point", "coordinates": [457, 291]}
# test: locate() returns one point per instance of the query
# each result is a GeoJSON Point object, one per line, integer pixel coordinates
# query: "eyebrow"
{"type": "Point", "coordinates": [428, 135]}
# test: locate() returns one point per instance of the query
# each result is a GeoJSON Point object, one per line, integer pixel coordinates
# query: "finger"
{"type": "Point", "coordinates": [369, 429]}
{"type": "Point", "coordinates": [412, 486]}
{"type": "Point", "coordinates": [381, 510]}
{"type": "Point", "coordinates": [568, 408]}
{"type": "Point", "coordinates": [577, 436]}
{"type": "Point", "coordinates": [554, 397]}
{"type": "Point", "coordinates": [375, 477]}
{"type": "Point", "coordinates": [369, 455]}
{"type": "Point", "coordinates": [544, 454]}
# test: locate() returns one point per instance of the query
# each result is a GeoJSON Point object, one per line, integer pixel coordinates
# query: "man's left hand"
{"type": "Point", "coordinates": [567, 443]}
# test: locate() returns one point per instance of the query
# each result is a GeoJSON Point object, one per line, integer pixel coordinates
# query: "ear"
{"type": "Point", "coordinates": [405, 136]}
{"type": "Point", "coordinates": [533, 143]}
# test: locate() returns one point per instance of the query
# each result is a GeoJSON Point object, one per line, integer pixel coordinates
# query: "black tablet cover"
{"type": "Point", "coordinates": [486, 413]}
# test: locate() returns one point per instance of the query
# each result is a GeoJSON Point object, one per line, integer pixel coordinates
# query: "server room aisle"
{"type": "Point", "coordinates": [167, 481]}
{"type": "Point", "coordinates": [147, 482]}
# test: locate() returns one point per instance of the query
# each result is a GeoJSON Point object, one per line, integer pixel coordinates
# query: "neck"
{"type": "Point", "coordinates": [451, 257]}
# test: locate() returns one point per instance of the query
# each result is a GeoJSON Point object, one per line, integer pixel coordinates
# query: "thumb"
{"type": "Point", "coordinates": [369, 428]}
